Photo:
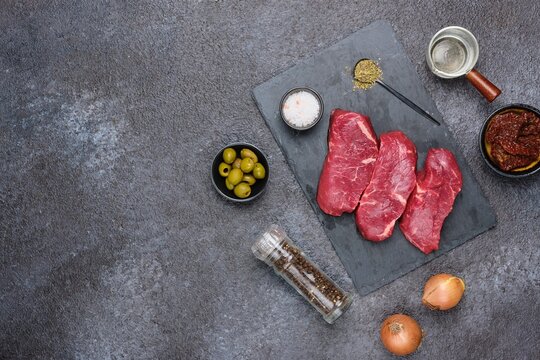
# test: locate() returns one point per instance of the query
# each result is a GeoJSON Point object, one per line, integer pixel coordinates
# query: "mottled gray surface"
{"type": "Point", "coordinates": [114, 244]}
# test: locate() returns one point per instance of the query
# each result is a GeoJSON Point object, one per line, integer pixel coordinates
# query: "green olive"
{"type": "Point", "coordinates": [224, 169]}
{"type": "Point", "coordinates": [242, 190]}
{"type": "Point", "coordinates": [249, 179]}
{"type": "Point", "coordinates": [236, 163]}
{"type": "Point", "coordinates": [235, 176]}
{"type": "Point", "coordinates": [247, 165]}
{"type": "Point", "coordinates": [229, 154]}
{"type": "Point", "coordinates": [228, 185]}
{"type": "Point", "coordinates": [246, 153]}
{"type": "Point", "coordinates": [259, 171]}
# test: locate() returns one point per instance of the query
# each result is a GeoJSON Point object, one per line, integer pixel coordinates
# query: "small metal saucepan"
{"type": "Point", "coordinates": [453, 52]}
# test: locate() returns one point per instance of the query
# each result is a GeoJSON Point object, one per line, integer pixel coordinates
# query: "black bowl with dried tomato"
{"type": "Point", "coordinates": [510, 141]}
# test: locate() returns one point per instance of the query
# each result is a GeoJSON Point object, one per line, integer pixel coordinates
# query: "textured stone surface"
{"type": "Point", "coordinates": [114, 244]}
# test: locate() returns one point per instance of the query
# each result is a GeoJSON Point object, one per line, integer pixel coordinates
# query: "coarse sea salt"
{"type": "Point", "coordinates": [301, 108]}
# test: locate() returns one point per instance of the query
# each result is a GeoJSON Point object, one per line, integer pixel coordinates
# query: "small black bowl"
{"type": "Point", "coordinates": [219, 182]}
{"type": "Point", "coordinates": [295, 90]}
{"type": "Point", "coordinates": [508, 174]}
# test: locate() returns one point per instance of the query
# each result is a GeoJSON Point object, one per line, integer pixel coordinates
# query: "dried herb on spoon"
{"type": "Point", "coordinates": [366, 73]}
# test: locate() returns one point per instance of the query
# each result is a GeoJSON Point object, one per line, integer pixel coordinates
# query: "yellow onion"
{"type": "Point", "coordinates": [443, 291]}
{"type": "Point", "coordinates": [401, 334]}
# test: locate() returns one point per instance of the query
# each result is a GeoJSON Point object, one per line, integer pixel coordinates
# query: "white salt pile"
{"type": "Point", "coordinates": [301, 109]}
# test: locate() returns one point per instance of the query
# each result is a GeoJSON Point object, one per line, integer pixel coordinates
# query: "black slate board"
{"type": "Point", "coordinates": [370, 265]}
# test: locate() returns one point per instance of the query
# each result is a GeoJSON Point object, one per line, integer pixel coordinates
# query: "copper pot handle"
{"type": "Point", "coordinates": [486, 87]}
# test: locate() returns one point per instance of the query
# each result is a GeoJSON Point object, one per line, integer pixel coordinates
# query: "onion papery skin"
{"type": "Point", "coordinates": [401, 334]}
{"type": "Point", "coordinates": [443, 292]}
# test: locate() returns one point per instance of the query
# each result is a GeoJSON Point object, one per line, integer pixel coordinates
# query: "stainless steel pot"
{"type": "Point", "coordinates": [453, 52]}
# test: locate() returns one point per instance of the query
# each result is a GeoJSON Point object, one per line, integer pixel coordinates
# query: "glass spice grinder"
{"type": "Point", "coordinates": [276, 249]}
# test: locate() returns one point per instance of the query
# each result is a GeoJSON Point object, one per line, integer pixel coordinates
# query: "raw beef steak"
{"type": "Point", "coordinates": [437, 186]}
{"type": "Point", "coordinates": [349, 163]}
{"type": "Point", "coordinates": [393, 180]}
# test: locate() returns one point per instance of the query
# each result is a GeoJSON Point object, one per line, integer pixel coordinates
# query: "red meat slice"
{"type": "Point", "coordinates": [393, 180]}
{"type": "Point", "coordinates": [437, 186]}
{"type": "Point", "coordinates": [349, 163]}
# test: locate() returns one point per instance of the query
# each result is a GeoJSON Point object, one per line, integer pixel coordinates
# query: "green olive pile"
{"type": "Point", "coordinates": [242, 172]}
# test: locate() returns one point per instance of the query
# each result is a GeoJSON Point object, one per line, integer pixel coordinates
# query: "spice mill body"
{"type": "Point", "coordinates": [276, 249]}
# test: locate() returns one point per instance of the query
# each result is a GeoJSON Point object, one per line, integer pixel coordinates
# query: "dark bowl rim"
{"type": "Point", "coordinates": [296, 89]}
{"type": "Point", "coordinates": [483, 150]}
{"type": "Point", "coordinates": [234, 199]}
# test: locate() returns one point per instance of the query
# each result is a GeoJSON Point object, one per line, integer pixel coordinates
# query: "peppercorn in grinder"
{"type": "Point", "coordinates": [276, 249]}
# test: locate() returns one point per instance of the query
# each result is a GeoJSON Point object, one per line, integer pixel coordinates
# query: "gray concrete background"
{"type": "Point", "coordinates": [115, 245]}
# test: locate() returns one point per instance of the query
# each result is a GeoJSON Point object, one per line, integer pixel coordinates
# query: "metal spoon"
{"type": "Point", "coordinates": [394, 92]}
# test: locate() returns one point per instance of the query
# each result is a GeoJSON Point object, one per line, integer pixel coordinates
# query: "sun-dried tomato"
{"type": "Point", "coordinates": [514, 138]}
